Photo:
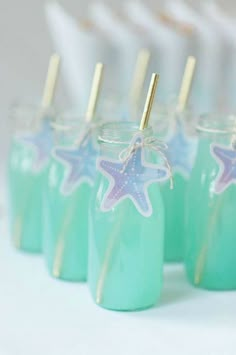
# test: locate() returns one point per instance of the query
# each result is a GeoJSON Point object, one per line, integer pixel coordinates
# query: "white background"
{"type": "Point", "coordinates": [42, 316]}
{"type": "Point", "coordinates": [25, 48]}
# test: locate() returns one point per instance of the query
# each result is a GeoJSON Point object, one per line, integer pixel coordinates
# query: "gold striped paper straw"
{"type": "Point", "coordinates": [94, 93]}
{"type": "Point", "coordinates": [140, 73]}
{"type": "Point", "coordinates": [186, 83]}
{"type": "Point", "coordinates": [51, 81]}
{"type": "Point", "coordinates": [149, 101]}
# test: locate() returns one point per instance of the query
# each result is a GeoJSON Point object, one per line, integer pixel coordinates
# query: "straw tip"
{"type": "Point", "coordinates": [149, 101]}
{"type": "Point", "coordinates": [145, 52]}
{"type": "Point", "coordinates": [99, 65]}
{"type": "Point", "coordinates": [154, 80]}
{"type": "Point", "coordinates": [191, 59]}
{"type": "Point", "coordinates": [98, 300]}
{"type": "Point", "coordinates": [155, 75]}
{"type": "Point", "coordinates": [56, 272]}
{"type": "Point", "coordinates": [55, 56]}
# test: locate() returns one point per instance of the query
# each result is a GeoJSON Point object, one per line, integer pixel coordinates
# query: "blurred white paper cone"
{"type": "Point", "coordinates": [170, 48]}
{"type": "Point", "coordinates": [225, 29]}
{"type": "Point", "coordinates": [127, 42]}
{"type": "Point", "coordinates": [206, 47]}
{"type": "Point", "coordinates": [80, 48]}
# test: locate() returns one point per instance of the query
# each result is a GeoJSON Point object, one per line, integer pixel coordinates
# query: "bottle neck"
{"type": "Point", "coordinates": [71, 129]}
{"type": "Point", "coordinates": [28, 119]}
{"type": "Point", "coordinates": [166, 120]}
{"type": "Point", "coordinates": [113, 138]}
{"type": "Point", "coordinates": [217, 128]}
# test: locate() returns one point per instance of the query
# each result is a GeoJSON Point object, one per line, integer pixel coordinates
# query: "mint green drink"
{"type": "Point", "coordinates": [27, 169]}
{"type": "Point", "coordinates": [67, 193]}
{"type": "Point", "coordinates": [126, 233]}
{"type": "Point", "coordinates": [65, 241]}
{"type": "Point", "coordinates": [210, 243]}
{"type": "Point", "coordinates": [25, 199]}
{"type": "Point", "coordinates": [181, 149]}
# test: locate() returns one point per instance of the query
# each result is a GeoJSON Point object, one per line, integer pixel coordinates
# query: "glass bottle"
{"type": "Point", "coordinates": [177, 130]}
{"type": "Point", "coordinates": [27, 168]}
{"type": "Point", "coordinates": [67, 193]}
{"type": "Point", "coordinates": [181, 151]}
{"type": "Point", "coordinates": [125, 244]}
{"type": "Point", "coordinates": [211, 224]}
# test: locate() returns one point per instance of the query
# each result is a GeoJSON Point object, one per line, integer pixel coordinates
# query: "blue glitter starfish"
{"type": "Point", "coordinates": [41, 143]}
{"type": "Point", "coordinates": [80, 163]}
{"type": "Point", "coordinates": [181, 151]}
{"type": "Point", "coordinates": [226, 157]}
{"type": "Point", "coordinates": [130, 179]}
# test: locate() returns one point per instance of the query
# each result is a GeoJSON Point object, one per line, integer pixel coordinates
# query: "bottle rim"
{"type": "Point", "coordinates": [120, 132]}
{"type": "Point", "coordinates": [28, 112]}
{"type": "Point", "coordinates": [217, 123]}
{"type": "Point", "coordinates": [28, 117]}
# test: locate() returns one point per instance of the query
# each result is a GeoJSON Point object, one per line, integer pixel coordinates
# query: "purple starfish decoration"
{"type": "Point", "coordinates": [226, 158]}
{"type": "Point", "coordinates": [130, 179]}
{"type": "Point", "coordinates": [80, 164]}
{"type": "Point", "coordinates": [41, 142]}
{"type": "Point", "coordinates": [181, 151]}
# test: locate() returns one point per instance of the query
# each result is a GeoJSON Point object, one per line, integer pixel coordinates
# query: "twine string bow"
{"type": "Point", "coordinates": [151, 143]}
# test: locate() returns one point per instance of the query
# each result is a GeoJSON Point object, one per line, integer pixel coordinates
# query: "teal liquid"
{"type": "Point", "coordinates": [125, 252]}
{"type": "Point", "coordinates": [211, 225]}
{"type": "Point", "coordinates": [65, 242]}
{"type": "Point", "coordinates": [25, 197]}
{"type": "Point", "coordinates": [174, 202]}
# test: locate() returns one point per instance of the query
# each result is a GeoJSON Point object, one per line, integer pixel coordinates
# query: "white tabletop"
{"type": "Point", "coordinates": [43, 316]}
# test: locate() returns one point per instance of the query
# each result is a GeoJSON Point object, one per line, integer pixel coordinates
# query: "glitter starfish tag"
{"type": "Point", "coordinates": [80, 165]}
{"type": "Point", "coordinates": [41, 143]}
{"type": "Point", "coordinates": [131, 178]}
{"type": "Point", "coordinates": [226, 158]}
{"type": "Point", "coordinates": [181, 151]}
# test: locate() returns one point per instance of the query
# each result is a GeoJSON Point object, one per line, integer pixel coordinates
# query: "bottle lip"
{"type": "Point", "coordinates": [67, 121]}
{"type": "Point", "coordinates": [72, 120]}
{"type": "Point", "coordinates": [120, 132]}
{"type": "Point", "coordinates": [29, 111]}
{"type": "Point", "coordinates": [217, 123]}
{"type": "Point", "coordinates": [28, 117]}
{"type": "Point", "coordinates": [70, 127]}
